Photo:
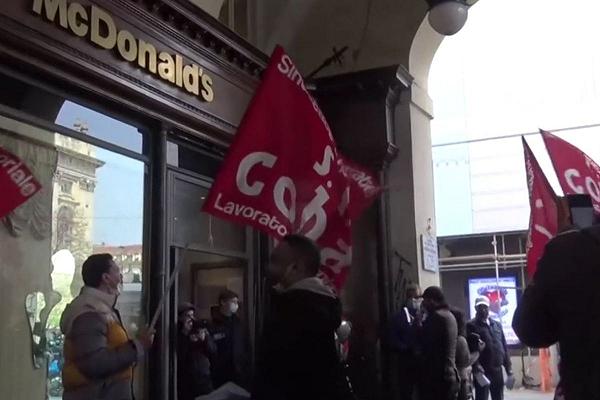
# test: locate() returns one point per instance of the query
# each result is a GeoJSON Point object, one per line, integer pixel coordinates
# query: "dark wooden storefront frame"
{"type": "Point", "coordinates": [46, 56]}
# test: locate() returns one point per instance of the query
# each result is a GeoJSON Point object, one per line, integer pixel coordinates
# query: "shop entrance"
{"type": "Point", "coordinates": [214, 257]}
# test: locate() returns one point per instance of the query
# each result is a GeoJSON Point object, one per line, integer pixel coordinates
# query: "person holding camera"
{"type": "Point", "coordinates": [195, 348]}
{"type": "Point", "coordinates": [562, 304]}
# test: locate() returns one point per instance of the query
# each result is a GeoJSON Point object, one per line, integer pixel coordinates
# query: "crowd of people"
{"type": "Point", "coordinates": [442, 356]}
{"type": "Point", "coordinates": [210, 353]}
{"type": "Point", "coordinates": [298, 356]}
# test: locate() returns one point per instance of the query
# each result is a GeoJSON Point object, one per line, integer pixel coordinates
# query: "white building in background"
{"type": "Point", "coordinates": [489, 82]}
{"type": "Point", "coordinates": [73, 194]}
{"type": "Point", "coordinates": [72, 212]}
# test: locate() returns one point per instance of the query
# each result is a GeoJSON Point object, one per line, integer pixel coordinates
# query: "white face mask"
{"type": "Point", "coordinates": [115, 287]}
{"type": "Point", "coordinates": [233, 307]}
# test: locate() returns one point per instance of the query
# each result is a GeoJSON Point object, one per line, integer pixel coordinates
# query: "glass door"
{"type": "Point", "coordinates": [215, 258]}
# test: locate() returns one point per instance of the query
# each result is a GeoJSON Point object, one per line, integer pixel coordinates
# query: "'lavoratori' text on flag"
{"type": "Point", "coordinates": [283, 173]}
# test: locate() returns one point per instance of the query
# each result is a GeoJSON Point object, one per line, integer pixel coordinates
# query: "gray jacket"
{"type": "Point", "coordinates": [99, 356]}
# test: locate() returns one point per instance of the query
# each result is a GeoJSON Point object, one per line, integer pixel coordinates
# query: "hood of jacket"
{"type": "Point", "coordinates": [89, 300]}
{"type": "Point", "coordinates": [314, 285]}
{"type": "Point", "coordinates": [313, 303]}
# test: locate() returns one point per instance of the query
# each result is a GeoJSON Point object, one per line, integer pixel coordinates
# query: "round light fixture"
{"type": "Point", "coordinates": [448, 17]}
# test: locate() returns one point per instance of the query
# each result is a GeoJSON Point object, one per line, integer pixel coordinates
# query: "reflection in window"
{"type": "Point", "coordinates": [203, 228]}
{"type": "Point", "coordinates": [91, 201]}
{"type": "Point", "coordinates": [66, 187]}
{"type": "Point", "coordinates": [103, 214]}
{"type": "Point", "coordinates": [93, 123]}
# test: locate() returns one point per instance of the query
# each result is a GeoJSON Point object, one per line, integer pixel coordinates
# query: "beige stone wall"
{"type": "Point", "coordinates": [24, 268]}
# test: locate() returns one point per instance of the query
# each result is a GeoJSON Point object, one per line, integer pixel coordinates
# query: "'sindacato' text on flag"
{"type": "Point", "coordinates": [283, 173]}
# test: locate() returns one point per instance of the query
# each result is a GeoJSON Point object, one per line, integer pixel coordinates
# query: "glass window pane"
{"type": "Point", "coordinates": [56, 109]}
{"type": "Point", "coordinates": [92, 201]}
{"type": "Point", "coordinates": [191, 226]}
{"type": "Point", "coordinates": [202, 279]}
{"type": "Point", "coordinates": [100, 126]}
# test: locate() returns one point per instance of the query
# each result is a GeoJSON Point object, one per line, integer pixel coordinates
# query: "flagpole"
{"type": "Point", "coordinates": [495, 244]}
{"type": "Point", "coordinates": [165, 294]}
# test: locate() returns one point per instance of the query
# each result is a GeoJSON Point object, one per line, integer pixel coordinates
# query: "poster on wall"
{"type": "Point", "coordinates": [503, 302]}
{"type": "Point", "coordinates": [429, 252]}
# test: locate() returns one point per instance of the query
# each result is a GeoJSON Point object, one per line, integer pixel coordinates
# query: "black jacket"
{"type": "Point", "coordinates": [495, 354]}
{"type": "Point", "coordinates": [562, 304]}
{"type": "Point", "coordinates": [297, 355]}
{"type": "Point", "coordinates": [437, 353]}
{"type": "Point", "coordinates": [193, 367]}
{"type": "Point", "coordinates": [228, 365]}
{"type": "Point", "coordinates": [403, 332]}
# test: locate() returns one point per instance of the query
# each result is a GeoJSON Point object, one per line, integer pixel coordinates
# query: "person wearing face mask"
{"type": "Point", "coordinates": [297, 357]}
{"type": "Point", "coordinates": [227, 332]}
{"type": "Point", "coordinates": [99, 355]}
{"type": "Point", "coordinates": [493, 357]}
{"type": "Point", "coordinates": [402, 340]}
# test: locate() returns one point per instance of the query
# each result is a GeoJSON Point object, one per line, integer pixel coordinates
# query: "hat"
{"type": "Point", "coordinates": [184, 307]}
{"type": "Point", "coordinates": [482, 300]}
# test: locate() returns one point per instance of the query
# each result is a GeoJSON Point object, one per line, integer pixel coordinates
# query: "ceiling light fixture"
{"type": "Point", "coordinates": [448, 16]}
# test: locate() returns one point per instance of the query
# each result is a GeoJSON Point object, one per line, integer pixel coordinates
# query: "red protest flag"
{"type": "Point", "coordinates": [283, 173]}
{"type": "Point", "coordinates": [17, 183]}
{"type": "Point", "coordinates": [576, 171]}
{"type": "Point", "coordinates": [543, 220]}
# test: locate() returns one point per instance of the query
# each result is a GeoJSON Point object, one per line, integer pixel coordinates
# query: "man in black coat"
{"type": "Point", "coordinates": [403, 341]}
{"type": "Point", "coordinates": [438, 377]}
{"type": "Point", "coordinates": [297, 357]}
{"type": "Point", "coordinates": [227, 332]}
{"type": "Point", "coordinates": [562, 304]}
{"type": "Point", "coordinates": [495, 354]}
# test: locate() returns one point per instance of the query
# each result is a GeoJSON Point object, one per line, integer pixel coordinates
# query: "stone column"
{"type": "Point", "coordinates": [410, 211]}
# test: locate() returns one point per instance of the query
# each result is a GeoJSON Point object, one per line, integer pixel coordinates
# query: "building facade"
{"type": "Point", "coordinates": [163, 86]}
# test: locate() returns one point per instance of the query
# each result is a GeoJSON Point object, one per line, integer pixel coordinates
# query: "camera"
{"type": "Point", "coordinates": [582, 210]}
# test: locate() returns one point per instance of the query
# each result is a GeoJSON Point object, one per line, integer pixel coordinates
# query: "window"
{"type": "Point", "coordinates": [54, 108]}
{"type": "Point", "coordinates": [89, 122]}
{"type": "Point", "coordinates": [92, 201]}
{"type": "Point", "coordinates": [66, 187]}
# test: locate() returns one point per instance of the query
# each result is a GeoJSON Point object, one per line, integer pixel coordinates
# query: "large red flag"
{"type": "Point", "coordinates": [543, 220]}
{"type": "Point", "coordinates": [577, 173]}
{"type": "Point", "coordinates": [17, 183]}
{"type": "Point", "coordinates": [283, 173]}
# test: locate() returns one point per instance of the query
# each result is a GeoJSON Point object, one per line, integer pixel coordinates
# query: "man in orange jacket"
{"type": "Point", "coordinates": [99, 355]}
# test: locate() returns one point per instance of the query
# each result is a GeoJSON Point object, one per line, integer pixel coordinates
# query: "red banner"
{"type": "Point", "coordinates": [283, 173]}
{"type": "Point", "coordinates": [577, 173]}
{"type": "Point", "coordinates": [543, 220]}
{"type": "Point", "coordinates": [17, 184]}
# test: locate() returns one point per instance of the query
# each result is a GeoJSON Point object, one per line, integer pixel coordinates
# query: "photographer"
{"type": "Point", "coordinates": [549, 312]}
{"type": "Point", "coordinates": [194, 350]}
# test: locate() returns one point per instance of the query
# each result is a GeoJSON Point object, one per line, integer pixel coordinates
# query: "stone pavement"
{"type": "Point", "coordinates": [522, 394]}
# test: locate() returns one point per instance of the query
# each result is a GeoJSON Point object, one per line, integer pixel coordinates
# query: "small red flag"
{"type": "Point", "coordinates": [17, 183]}
{"type": "Point", "coordinates": [577, 172]}
{"type": "Point", "coordinates": [543, 220]}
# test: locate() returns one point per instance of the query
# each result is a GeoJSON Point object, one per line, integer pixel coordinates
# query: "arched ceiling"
{"type": "Point", "coordinates": [377, 32]}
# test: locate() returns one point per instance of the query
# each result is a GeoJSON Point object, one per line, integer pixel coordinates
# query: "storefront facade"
{"type": "Point", "coordinates": [123, 110]}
